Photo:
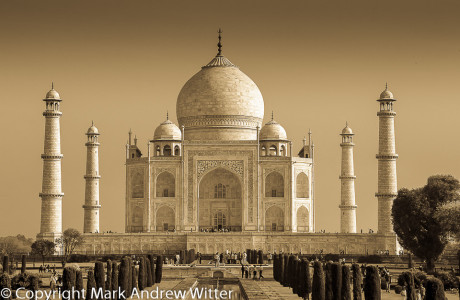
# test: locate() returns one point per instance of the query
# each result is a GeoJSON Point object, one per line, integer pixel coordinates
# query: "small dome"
{"type": "Point", "coordinates": [167, 131]}
{"type": "Point", "coordinates": [53, 94]}
{"type": "Point", "coordinates": [272, 131]}
{"type": "Point", "coordinates": [386, 94]}
{"type": "Point", "coordinates": [92, 130]}
{"type": "Point", "coordinates": [347, 130]}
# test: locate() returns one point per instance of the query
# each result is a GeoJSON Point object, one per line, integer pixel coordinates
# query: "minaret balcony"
{"type": "Point", "coordinates": [386, 113]}
{"type": "Point", "coordinates": [386, 156]}
{"type": "Point", "coordinates": [52, 113]}
{"type": "Point", "coordinates": [92, 176]}
{"type": "Point", "coordinates": [51, 195]}
{"type": "Point", "coordinates": [56, 156]}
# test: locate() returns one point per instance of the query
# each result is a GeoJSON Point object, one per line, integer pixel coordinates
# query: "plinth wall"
{"type": "Point", "coordinates": [207, 243]}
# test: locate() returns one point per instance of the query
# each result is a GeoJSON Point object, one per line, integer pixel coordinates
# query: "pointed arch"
{"type": "Point", "coordinates": [165, 185]}
{"type": "Point", "coordinates": [137, 184]}
{"type": "Point", "coordinates": [274, 219]}
{"type": "Point", "coordinates": [303, 219]}
{"type": "Point", "coordinates": [302, 186]}
{"type": "Point", "coordinates": [274, 185]}
{"type": "Point", "coordinates": [165, 219]}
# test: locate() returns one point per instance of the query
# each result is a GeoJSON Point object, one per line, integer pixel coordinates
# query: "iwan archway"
{"type": "Point", "coordinates": [220, 201]}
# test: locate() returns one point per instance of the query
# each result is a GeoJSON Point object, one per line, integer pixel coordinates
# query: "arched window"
{"type": "Point", "coordinates": [166, 185]}
{"type": "Point", "coordinates": [302, 219]}
{"type": "Point", "coordinates": [137, 216]}
{"type": "Point", "coordinates": [272, 150]}
{"type": "Point", "coordinates": [302, 186]}
{"type": "Point", "coordinates": [176, 150]}
{"type": "Point", "coordinates": [263, 151]}
{"type": "Point", "coordinates": [282, 150]}
{"type": "Point", "coordinates": [137, 185]}
{"type": "Point", "coordinates": [220, 220]}
{"type": "Point", "coordinates": [158, 151]}
{"type": "Point", "coordinates": [167, 150]}
{"type": "Point", "coordinates": [274, 185]}
{"type": "Point", "coordinates": [220, 191]}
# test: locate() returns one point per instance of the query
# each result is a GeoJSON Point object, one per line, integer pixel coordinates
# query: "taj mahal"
{"type": "Point", "coordinates": [220, 178]}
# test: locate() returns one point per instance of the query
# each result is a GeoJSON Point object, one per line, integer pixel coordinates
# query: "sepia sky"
{"type": "Point", "coordinates": [318, 64]}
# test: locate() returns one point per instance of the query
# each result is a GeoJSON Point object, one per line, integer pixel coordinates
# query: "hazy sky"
{"type": "Point", "coordinates": [318, 64]}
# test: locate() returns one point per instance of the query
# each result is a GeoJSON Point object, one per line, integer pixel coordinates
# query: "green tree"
{"type": "Point", "coordinates": [70, 239]}
{"type": "Point", "coordinates": [426, 218]}
{"type": "Point", "coordinates": [43, 248]}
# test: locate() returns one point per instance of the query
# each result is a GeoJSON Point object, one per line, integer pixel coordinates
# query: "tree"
{"type": "Point", "coordinates": [434, 289]}
{"type": "Point", "coordinates": [15, 244]}
{"type": "Point", "coordinates": [357, 281]}
{"type": "Point", "coordinates": [425, 218]}
{"type": "Point", "coordinates": [372, 284]}
{"type": "Point", "coordinates": [70, 239]}
{"type": "Point", "coordinates": [318, 285]}
{"type": "Point", "coordinates": [43, 248]}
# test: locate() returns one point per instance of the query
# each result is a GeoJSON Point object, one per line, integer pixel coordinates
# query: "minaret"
{"type": "Point", "coordinates": [387, 183]}
{"type": "Point", "coordinates": [347, 178]}
{"type": "Point", "coordinates": [91, 218]}
{"type": "Point", "coordinates": [51, 210]}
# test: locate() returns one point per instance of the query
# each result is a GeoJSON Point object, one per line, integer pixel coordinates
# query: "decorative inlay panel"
{"type": "Point", "coordinates": [234, 165]}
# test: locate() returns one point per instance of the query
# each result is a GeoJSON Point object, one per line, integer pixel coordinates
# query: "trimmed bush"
{"type": "Point", "coordinates": [281, 269]}
{"type": "Point", "coordinates": [90, 286]}
{"type": "Point", "coordinates": [318, 286]}
{"type": "Point", "coordinates": [99, 275]}
{"type": "Point", "coordinates": [337, 280]}
{"type": "Point", "coordinates": [148, 270]}
{"type": "Point", "coordinates": [296, 276]}
{"type": "Point", "coordinates": [398, 289]}
{"type": "Point", "coordinates": [136, 274]}
{"type": "Point", "coordinates": [328, 275]}
{"type": "Point", "coordinates": [285, 271]}
{"type": "Point", "coordinates": [346, 276]}
{"type": "Point", "coordinates": [108, 283]}
{"type": "Point", "coordinates": [372, 284]}
{"type": "Point", "coordinates": [142, 273]}
{"type": "Point", "coordinates": [152, 267]}
{"type": "Point", "coordinates": [159, 269]}
{"type": "Point", "coordinates": [68, 279]}
{"type": "Point", "coordinates": [34, 283]}
{"type": "Point", "coordinates": [114, 285]}
{"type": "Point", "coordinates": [357, 281]}
{"type": "Point", "coordinates": [434, 289]}
{"type": "Point", "coordinates": [123, 281]}
{"type": "Point", "coordinates": [130, 276]}
{"type": "Point", "coordinates": [448, 279]}
{"type": "Point", "coordinates": [261, 256]}
{"type": "Point", "coordinates": [410, 263]}
{"type": "Point", "coordinates": [383, 284]}
{"type": "Point", "coordinates": [304, 282]}
{"type": "Point", "coordinates": [6, 264]}
{"type": "Point", "coordinates": [23, 265]}
{"type": "Point", "coordinates": [331, 257]}
{"type": "Point", "coordinates": [79, 284]}
{"type": "Point", "coordinates": [78, 258]}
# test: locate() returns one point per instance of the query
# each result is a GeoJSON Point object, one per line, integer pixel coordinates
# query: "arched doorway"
{"type": "Point", "coordinates": [302, 219]}
{"type": "Point", "coordinates": [220, 201]}
{"type": "Point", "coordinates": [274, 219]}
{"type": "Point", "coordinates": [166, 220]}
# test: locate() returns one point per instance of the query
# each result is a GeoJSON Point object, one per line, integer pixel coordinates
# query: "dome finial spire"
{"type": "Point", "coordinates": [52, 85]}
{"type": "Point", "coordinates": [167, 115]}
{"type": "Point", "coordinates": [219, 45]}
{"type": "Point", "coordinates": [272, 115]}
{"type": "Point", "coordinates": [92, 122]}
{"type": "Point", "coordinates": [386, 85]}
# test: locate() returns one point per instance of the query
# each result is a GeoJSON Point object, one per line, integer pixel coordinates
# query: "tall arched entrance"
{"type": "Point", "coordinates": [220, 201]}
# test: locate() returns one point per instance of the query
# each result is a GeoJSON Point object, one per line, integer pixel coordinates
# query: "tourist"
{"type": "Point", "coordinates": [269, 256]}
{"type": "Point", "coordinates": [242, 271]}
{"type": "Point", "coordinates": [217, 259]}
{"type": "Point", "coordinates": [177, 258]}
{"type": "Point", "coordinates": [386, 275]}
{"type": "Point", "coordinates": [254, 273]}
{"type": "Point", "coordinates": [199, 257]}
{"type": "Point", "coordinates": [246, 271]}
{"type": "Point", "coordinates": [261, 268]}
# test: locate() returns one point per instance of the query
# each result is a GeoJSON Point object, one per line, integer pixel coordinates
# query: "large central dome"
{"type": "Point", "coordinates": [220, 103]}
